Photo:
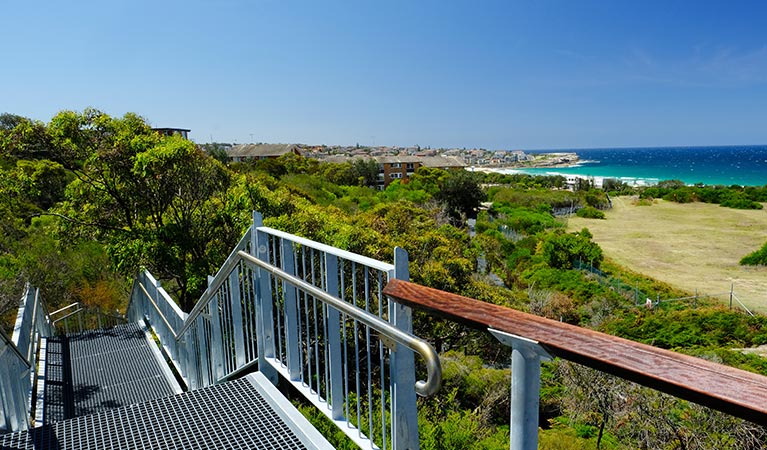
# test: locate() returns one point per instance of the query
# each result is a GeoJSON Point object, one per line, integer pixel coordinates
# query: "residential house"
{"type": "Point", "coordinates": [392, 168]}
{"type": "Point", "coordinates": [249, 152]}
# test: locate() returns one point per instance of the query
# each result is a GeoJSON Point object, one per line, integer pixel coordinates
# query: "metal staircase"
{"type": "Point", "coordinates": [112, 389]}
{"type": "Point", "coordinates": [280, 308]}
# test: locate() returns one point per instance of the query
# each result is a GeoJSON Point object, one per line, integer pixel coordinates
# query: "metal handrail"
{"type": "Point", "coordinates": [68, 315]}
{"type": "Point", "coordinates": [232, 261]}
{"type": "Point", "coordinates": [64, 309]}
{"type": "Point", "coordinates": [157, 308]}
{"type": "Point", "coordinates": [423, 348]}
{"type": "Point", "coordinates": [213, 286]}
{"type": "Point", "coordinates": [216, 283]}
{"type": "Point", "coordinates": [349, 256]}
{"type": "Point", "coordinates": [13, 347]}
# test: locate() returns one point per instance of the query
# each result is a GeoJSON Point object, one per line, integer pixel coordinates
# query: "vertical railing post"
{"type": "Point", "coordinates": [216, 341]}
{"type": "Point", "coordinates": [183, 347]}
{"type": "Point", "coordinates": [265, 320]}
{"type": "Point", "coordinates": [526, 357]}
{"type": "Point", "coordinates": [204, 351]}
{"type": "Point", "coordinates": [335, 355]}
{"type": "Point", "coordinates": [236, 303]}
{"type": "Point", "coordinates": [290, 298]}
{"type": "Point", "coordinates": [404, 412]}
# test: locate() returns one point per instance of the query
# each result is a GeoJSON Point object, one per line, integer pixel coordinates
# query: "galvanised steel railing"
{"type": "Point", "coordinates": [151, 302]}
{"type": "Point", "coordinates": [84, 318]}
{"type": "Point", "coordinates": [18, 360]}
{"type": "Point", "coordinates": [313, 314]}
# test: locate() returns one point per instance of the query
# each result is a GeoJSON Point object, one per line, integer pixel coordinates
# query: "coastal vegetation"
{"type": "Point", "coordinates": [88, 199]}
{"type": "Point", "coordinates": [737, 197]}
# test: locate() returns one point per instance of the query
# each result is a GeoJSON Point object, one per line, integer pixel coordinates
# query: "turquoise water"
{"type": "Point", "coordinates": [742, 165]}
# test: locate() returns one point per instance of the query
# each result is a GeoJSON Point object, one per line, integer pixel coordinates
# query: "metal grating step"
{"type": "Point", "coordinates": [99, 370]}
{"type": "Point", "coordinates": [235, 415]}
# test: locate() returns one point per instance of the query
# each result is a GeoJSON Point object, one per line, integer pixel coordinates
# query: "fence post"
{"type": "Point", "coordinates": [732, 288]}
{"type": "Point", "coordinates": [404, 411]}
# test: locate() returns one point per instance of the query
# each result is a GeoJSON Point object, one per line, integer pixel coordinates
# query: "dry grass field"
{"type": "Point", "coordinates": [690, 246]}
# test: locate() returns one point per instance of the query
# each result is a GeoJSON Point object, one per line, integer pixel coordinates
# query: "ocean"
{"type": "Point", "coordinates": [741, 165]}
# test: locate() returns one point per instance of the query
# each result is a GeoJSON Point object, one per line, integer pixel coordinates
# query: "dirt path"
{"type": "Point", "coordinates": [690, 246]}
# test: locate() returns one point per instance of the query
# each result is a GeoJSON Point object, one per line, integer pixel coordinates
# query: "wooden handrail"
{"type": "Point", "coordinates": [733, 391]}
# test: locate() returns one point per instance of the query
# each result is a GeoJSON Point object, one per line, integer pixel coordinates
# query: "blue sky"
{"type": "Point", "coordinates": [491, 74]}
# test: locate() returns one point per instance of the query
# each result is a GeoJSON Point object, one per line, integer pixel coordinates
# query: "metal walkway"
{"type": "Point", "coordinates": [242, 414]}
{"type": "Point", "coordinates": [98, 370]}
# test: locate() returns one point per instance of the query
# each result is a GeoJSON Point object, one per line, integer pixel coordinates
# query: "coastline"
{"type": "Point", "coordinates": [550, 171]}
{"type": "Point", "coordinates": [709, 166]}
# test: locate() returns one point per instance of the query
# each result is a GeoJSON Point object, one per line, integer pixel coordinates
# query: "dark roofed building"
{"type": "Point", "coordinates": [248, 152]}
{"type": "Point", "coordinates": [442, 162]}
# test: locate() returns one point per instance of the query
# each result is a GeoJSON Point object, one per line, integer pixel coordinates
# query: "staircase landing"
{"type": "Point", "coordinates": [245, 414]}
{"type": "Point", "coordinates": [98, 370]}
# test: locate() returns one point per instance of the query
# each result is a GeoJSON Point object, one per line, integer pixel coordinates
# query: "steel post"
{"type": "Point", "coordinates": [290, 298]}
{"type": "Point", "coordinates": [404, 410]}
{"type": "Point", "coordinates": [526, 357]}
{"type": "Point", "coordinates": [265, 320]}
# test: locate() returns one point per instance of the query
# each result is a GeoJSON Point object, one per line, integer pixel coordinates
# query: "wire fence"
{"type": "Point", "coordinates": [652, 301]}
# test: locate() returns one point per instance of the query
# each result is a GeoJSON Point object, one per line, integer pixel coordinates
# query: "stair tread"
{"type": "Point", "coordinates": [231, 415]}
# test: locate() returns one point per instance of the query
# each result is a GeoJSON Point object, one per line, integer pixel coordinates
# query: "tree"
{"type": "Point", "coordinates": [461, 193]}
{"type": "Point", "coordinates": [560, 250]}
{"type": "Point", "coordinates": [21, 137]}
{"type": "Point", "coordinates": [217, 151]}
{"type": "Point", "coordinates": [365, 171]}
{"type": "Point", "coordinates": [155, 201]}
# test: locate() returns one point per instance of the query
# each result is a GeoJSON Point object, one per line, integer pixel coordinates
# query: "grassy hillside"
{"type": "Point", "coordinates": [690, 246]}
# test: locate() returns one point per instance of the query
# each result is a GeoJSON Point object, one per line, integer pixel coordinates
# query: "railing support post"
{"type": "Point", "coordinates": [526, 357]}
{"type": "Point", "coordinates": [335, 357]}
{"type": "Point", "coordinates": [235, 300]}
{"type": "Point", "coordinates": [265, 319]}
{"type": "Point", "coordinates": [293, 343]}
{"type": "Point", "coordinates": [216, 341]}
{"type": "Point", "coordinates": [204, 352]}
{"type": "Point", "coordinates": [404, 411]}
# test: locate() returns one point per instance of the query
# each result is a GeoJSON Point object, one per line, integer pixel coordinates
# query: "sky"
{"type": "Point", "coordinates": [477, 74]}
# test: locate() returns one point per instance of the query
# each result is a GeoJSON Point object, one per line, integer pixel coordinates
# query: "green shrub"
{"type": "Point", "coordinates": [757, 258]}
{"type": "Point", "coordinates": [590, 212]}
{"type": "Point", "coordinates": [741, 202]}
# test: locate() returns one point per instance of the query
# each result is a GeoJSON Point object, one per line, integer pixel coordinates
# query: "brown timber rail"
{"type": "Point", "coordinates": [733, 391]}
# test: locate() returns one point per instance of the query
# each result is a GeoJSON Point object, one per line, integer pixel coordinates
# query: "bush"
{"type": "Point", "coordinates": [590, 212]}
{"type": "Point", "coordinates": [741, 202]}
{"type": "Point", "coordinates": [704, 327]}
{"type": "Point", "coordinates": [681, 195]}
{"type": "Point", "coordinates": [757, 258]}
